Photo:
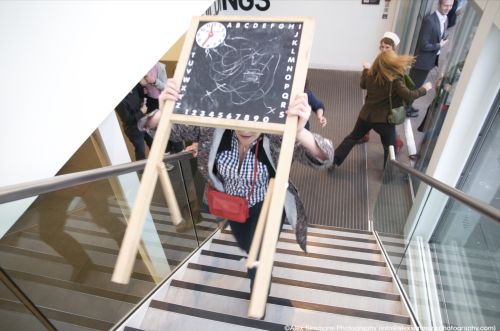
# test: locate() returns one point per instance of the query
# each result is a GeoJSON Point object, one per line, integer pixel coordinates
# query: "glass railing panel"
{"type": "Point", "coordinates": [14, 315]}
{"type": "Point", "coordinates": [391, 210]}
{"type": "Point", "coordinates": [204, 223]}
{"type": "Point", "coordinates": [451, 279]}
{"type": "Point", "coordinates": [466, 261]}
{"type": "Point", "coordinates": [63, 249]}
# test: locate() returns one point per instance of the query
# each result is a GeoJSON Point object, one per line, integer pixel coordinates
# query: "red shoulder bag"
{"type": "Point", "coordinates": [228, 206]}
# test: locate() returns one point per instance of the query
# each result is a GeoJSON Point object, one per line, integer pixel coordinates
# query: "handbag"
{"type": "Point", "coordinates": [396, 115]}
{"type": "Point", "coordinates": [408, 82]}
{"type": "Point", "coordinates": [228, 206]}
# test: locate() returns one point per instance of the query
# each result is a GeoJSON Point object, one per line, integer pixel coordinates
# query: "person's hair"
{"type": "Point", "coordinates": [388, 41]}
{"type": "Point", "coordinates": [388, 65]}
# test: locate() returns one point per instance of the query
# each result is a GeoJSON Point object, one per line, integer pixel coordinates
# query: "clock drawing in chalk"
{"type": "Point", "coordinates": [211, 35]}
{"type": "Point", "coordinates": [240, 70]}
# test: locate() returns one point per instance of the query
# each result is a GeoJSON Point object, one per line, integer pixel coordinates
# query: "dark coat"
{"type": "Point", "coordinates": [428, 43]}
{"type": "Point", "coordinates": [377, 105]}
{"type": "Point", "coordinates": [129, 109]}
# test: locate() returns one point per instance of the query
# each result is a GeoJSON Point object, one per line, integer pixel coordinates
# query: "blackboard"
{"type": "Point", "coordinates": [240, 70]}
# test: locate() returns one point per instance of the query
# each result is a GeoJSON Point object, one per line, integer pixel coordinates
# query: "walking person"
{"type": "Point", "coordinates": [389, 41]}
{"type": "Point", "coordinates": [241, 163]}
{"type": "Point", "coordinates": [382, 79]}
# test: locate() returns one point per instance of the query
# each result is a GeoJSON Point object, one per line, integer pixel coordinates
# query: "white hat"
{"type": "Point", "coordinates": [391, 35]}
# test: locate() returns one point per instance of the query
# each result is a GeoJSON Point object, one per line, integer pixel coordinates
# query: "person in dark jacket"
{"type": "Point", "coordinates": [431, 39]}
{"type": "Point", "coordinates": [130, 110]}
{"type": "Point", "coordinates": [317, 106]}
{"type": "Point", "coordinates": [389, 41]}
{"type": "Point", "coordinates": [385, 77]}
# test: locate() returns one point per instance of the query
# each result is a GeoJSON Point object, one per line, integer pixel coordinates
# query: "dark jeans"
{"type": "Point", "coordinates": [137, 138]}
{"type": "Point", "coordinates": [386, 131]}
{"type": "Point", "coordinates": [244, 232]}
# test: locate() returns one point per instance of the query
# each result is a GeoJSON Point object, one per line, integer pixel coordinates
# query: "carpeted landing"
{"type": "Point", "coordinates": [339, 197]}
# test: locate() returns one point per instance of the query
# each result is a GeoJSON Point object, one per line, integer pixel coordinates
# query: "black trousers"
{"type": "Point", "coordinates": [244, 232]}
{"type": "Point", "coordinates": [137, 138]}
{"type": "Point", "coordinates": [386, 131]}
{"type": "Point", "coordinates": [419, 76]}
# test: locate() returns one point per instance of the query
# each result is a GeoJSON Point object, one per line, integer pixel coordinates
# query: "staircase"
{"type": "Point", "coordinates": [343, 280]}
{"type": "Point", "coordinates": [92, 301]}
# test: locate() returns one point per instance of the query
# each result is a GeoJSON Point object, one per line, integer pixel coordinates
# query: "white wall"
{"type": "Point", "coordinates": [347, 32]}
{"type": "Point", "coordinates": [65, 65]}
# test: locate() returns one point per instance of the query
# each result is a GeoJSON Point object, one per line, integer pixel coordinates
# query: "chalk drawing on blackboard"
{"type": "Point", "coordinates": [240, 71]}
{"type": "Point", "coordinates": [245, 73]}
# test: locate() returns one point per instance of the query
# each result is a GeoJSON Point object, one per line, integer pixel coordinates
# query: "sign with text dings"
{"type": "Point", "coordinates": [239, 72]}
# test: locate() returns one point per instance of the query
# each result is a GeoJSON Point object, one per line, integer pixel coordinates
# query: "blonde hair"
{"type": "Point", "coordinates": [388, 65]}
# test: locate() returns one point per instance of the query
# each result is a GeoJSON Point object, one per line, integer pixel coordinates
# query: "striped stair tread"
{"type": "Point", "coordinates": [313, 259]}
{"type": "Point", "coordinates": [278, 310]}
{"type": "Point", "coordinates": [341, 280]}
{"type": "Point", "coordinates": [331, 276]}
{"type": "Point", "coordinates": [302, 290]}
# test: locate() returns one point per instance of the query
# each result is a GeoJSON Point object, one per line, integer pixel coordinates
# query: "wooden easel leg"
{"type": "Point", "coordinates": [261, 225]}
{"type": "Point", "coordinates": [169, 193]}
{"type": "Point", "coordinates": [262, 282]}
{"type": "Point", "coordinates": [133, 234]}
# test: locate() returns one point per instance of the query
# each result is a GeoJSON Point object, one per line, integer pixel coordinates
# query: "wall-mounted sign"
{"type": "Point", "coordinates": [370, 2]}
{"type": "Point", "coordinates": [235, 5]}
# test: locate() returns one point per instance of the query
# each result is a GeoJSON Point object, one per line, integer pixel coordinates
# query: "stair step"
{"type": "Point", "coordinates": [318, 248]}
{"type": "Point", "coordinates": [279, 310]}
{"type": "Point", "coordinates": [312, 259]}
{"type": "Point", "coordinates": [293, 289]}
{"type": "Point", "coordinates": [171, 316]}
{"type": "Point", "coordinates": [313, 274]}
{"type": "Point", "coordinates": [314, 229]}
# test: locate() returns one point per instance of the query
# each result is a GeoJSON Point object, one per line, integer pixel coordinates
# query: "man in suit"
{"type": "Point", "coordinates": [431, 39]}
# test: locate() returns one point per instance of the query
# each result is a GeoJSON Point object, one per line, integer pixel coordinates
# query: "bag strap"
{"type": "Point", "coordinates": [390, 95]}
{"type": "Point", "coordinates": [254, 169]}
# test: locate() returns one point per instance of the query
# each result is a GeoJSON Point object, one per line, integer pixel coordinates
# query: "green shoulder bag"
{"type": "Point", "coordinates": [396, 115]}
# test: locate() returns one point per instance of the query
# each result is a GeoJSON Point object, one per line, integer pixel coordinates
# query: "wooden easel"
{"type": "Point", "coordinates": [154, 167]}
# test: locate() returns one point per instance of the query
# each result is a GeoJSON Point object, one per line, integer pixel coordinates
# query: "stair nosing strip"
{"type": "Point", "coordinates": [312, 255]}
{"type": "Point", "coordinates": [295, 303]}
{"type": "Point", "coordinates": [324, 235]}
{"type": "Point", "coordinates": [216, 316]}
{"type": "Point", "coordinates": [299, 283]}
{"type": "Point", "coordinates": [289, 265]}
{"type": "Point", "coordinates": [336, 228]}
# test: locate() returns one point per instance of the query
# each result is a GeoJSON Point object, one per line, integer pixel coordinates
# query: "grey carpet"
{"type": "Point", "coordinates": [336, 198]}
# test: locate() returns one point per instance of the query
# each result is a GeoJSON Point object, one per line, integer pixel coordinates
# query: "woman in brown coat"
{"type": "Point", "coordinates": [385, 77]}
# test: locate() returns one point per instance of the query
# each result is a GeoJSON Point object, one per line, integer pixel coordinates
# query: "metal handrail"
{"type": "Point", "coordinates": [471, 202]}
{"type": "Point", "coordinates": [37, 187]}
